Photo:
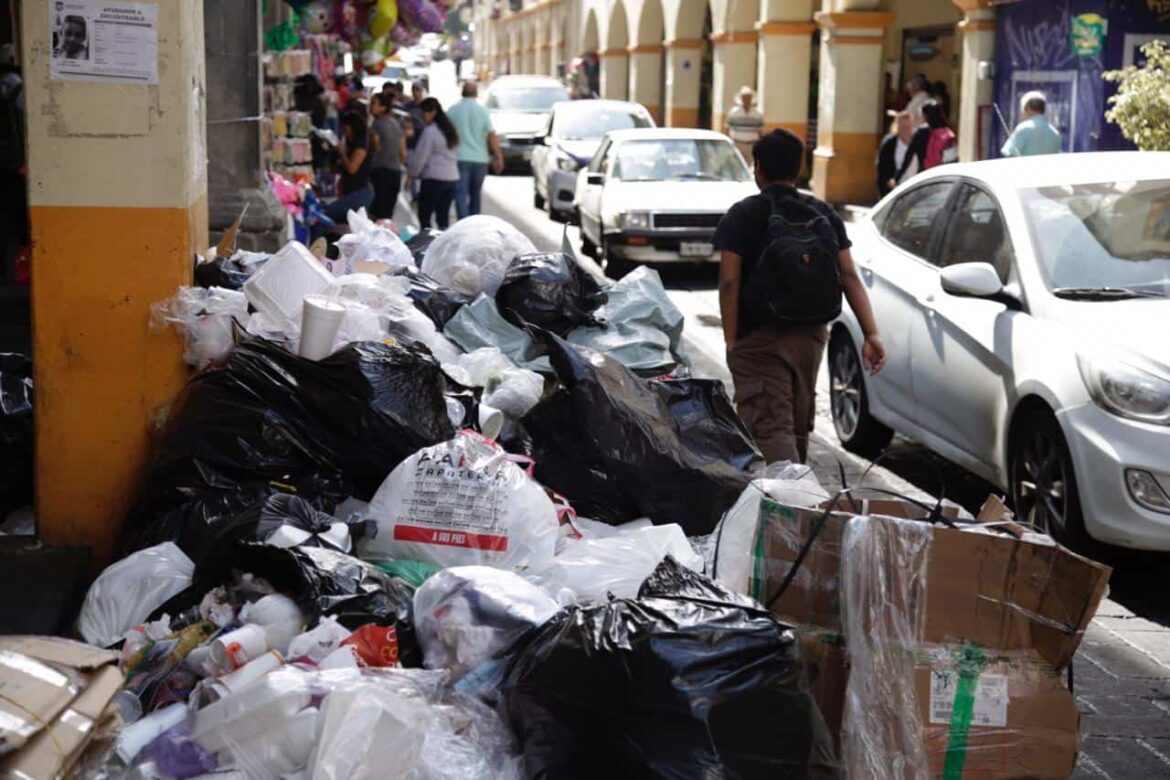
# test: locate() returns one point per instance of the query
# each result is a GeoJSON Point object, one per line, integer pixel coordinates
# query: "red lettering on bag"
{"type": "Point", "coordinates": [414, 533]}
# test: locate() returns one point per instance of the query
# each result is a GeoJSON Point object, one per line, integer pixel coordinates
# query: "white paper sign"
{"type": "Point", "coordinates": [111, 42]}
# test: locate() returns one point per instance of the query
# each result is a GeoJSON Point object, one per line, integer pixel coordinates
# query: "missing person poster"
{"type": "Point", "coordinates": [112, 42]}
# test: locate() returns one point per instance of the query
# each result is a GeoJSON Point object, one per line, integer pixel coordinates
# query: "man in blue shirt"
{"type": "Point", "coordinates": [1034, 134]}
{"type": "Point", "coordinates": [477, 146]}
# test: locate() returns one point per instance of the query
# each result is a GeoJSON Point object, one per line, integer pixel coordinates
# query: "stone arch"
{"type": "Point", "coordinates": [647, 60]}
{"type": "Point", "coordinates": [615, 62]}
{"type": "Point", "coordinates": [590, 38]}
{"type": "Point", "coordinates": [738, 15]}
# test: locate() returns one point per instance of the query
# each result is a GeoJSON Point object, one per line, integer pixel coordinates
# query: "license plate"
{"type": "Point", "coordinates": [695, 249]}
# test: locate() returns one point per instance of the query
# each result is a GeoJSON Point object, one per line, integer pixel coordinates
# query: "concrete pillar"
{"type": "Point", "coordinates": [646, 78]}
{"type": "Point", "coordinates": [615, 74]}
{"type": "Point", "coordinates": [683, 61]}
{"type": "Point", "coordinates": [734, 67]}
{"type": "Point", "coordinates": [978, 31]}
{"type": "Point", "coordinates": [235, 167]}
{"type": "Point", "coordinates": [118, 193]}
{"type": "Point", "coordinates": [850, 103]}
{"type": "Point", "coordinates": [784, 73]}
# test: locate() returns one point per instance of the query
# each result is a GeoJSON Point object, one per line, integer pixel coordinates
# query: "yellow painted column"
{"type": "Point", "coordinates": [849, 105]}
{"type": "Point", "coordinates": [978, 31]}
{"type": "Point", "coordinates": [118, 194]}
{"type": "Point", "coordinates": [646, 77]}
{"type": "Point", "coordinates": [784, 73]}
{"type": "Point", "coordinates": [734, 67]}
{"type": "Point", "coordinates": [615, 78]}
{"type": "Point", "coordinates": [683, 65]}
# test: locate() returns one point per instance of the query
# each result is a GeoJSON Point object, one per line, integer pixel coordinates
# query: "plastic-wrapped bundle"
{"type": "Point", "coordinates": [206, 318]}
{"type": "Point", "coordinates": [472, 256]}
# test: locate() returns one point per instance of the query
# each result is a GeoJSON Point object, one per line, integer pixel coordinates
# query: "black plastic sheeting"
{"type": "Point", "coordinates": [439, 303]}
{"type": "Point", "coordinates": [420, 242]}
{"type": "Point", "coordinates": [271, 422]}
{"type": "Point", "coordinates": [620, 447]}
{"type": "Point", "coordinates": [686, 681]}
{"type": "Point", "coordinates": [16, 432]}
{"type": "Point", "coordinates": [550, 291]}
{"type": "Point", "coordinates": [321, 582]}
{"type": "Point", "coordinates": [224, 272]}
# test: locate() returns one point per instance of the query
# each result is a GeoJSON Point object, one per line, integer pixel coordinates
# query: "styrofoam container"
{"type": "Point", "coordinates": [279, 288]}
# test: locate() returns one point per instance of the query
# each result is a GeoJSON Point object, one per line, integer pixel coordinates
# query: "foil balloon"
{"type": "Point", "coordinates": [430, 19]}
{"type": "Point", "coordinates": [345, 20]}
{"type": "Point", "coordinates": [383, 16]}
{"type": "Point", "coordinates": [316, 18]}
{"type": "Point", "coordinates": [404, 35]}
{"type": "Point", "coordinates": [408, 11]}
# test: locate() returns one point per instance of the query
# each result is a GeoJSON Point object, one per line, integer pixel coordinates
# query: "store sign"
{"type": "Point", "coordinates": [1088, 34]}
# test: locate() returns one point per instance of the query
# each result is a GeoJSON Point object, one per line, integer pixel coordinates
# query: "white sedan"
{"type": "Point", "coordinates": [656, 195]}
{"type": "Point", "coordinates": [1025, 307]}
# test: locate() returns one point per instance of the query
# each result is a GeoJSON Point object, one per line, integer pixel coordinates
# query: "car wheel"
{"type": "Point", "coordinates": [537, 198]}
{"type": "Point", "coordinates": [857, 430]}
{"type": "Point", "coordinates": [1043, 483]}
{"type": "Point", "coordinates": [615, 267]}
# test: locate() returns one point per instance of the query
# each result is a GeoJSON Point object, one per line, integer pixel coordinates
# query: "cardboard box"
{"type": "Point", "coordinates": [62, 692]}
{"type": "Point", "coordinates": [823, 654]}
{"type": "Point", "coordinates": [996, 589]}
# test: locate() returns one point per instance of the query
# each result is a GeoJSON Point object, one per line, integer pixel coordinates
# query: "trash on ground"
{"type": "Point", "coordinates": [207, 320]}
{"type": "Point", "coordinates": [229, 272]}
{"type": "Point", "coordinates": [277, 291]}
{"type": "Point", "coordinates": [431, 298]}
{"type": "Point", "coordinates": [367, 242]}
{"type": "Point", "coordinates": [550, 291]}
{"type": "Point", "coordinates": [473, 255]}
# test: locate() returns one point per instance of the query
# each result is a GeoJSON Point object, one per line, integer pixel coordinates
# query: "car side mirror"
{"type": "Point", "coordinates": [595, 179]}
{"type": "Point", "coordinates": [971, 280]}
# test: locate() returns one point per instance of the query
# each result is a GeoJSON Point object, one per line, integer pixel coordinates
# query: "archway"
{"type": "Point", "coordinates": [736, 46]}
{"type": "Point", "coordinates": [590, 39]}
{"type": "Point", "coordinates": [688, 66]}
{"type": "Point", "coordinates": [647, 60]}
{"type": "Point", "coordinates": [616, 59]}
{"type": "Point", "coordinates": [585, 82]}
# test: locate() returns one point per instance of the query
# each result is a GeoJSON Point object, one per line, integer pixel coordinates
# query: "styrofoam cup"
{"type": "Point", "coordinates": [319, 325]}
{"type": "Point", "coordinates": [247, 674]}
{"type": "Point", "coordinates": [491, 421]}
{"type": "Point", "coordinates": [236, 648]}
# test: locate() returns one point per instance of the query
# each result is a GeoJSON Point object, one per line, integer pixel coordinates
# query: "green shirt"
{"type": "Point", "coordinates": [473, 123]}
{"type": "Point", "coordinates": [1033, 136]}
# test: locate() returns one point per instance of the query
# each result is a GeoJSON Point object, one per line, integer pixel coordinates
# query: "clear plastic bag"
{"type": "Point", "coordinates": [127, 592]}
{"type": "Point", "coordinates": [386, 300]}
{"type": "Point", "coordinates": [510, 389]}
{"type": "Point", "coordinates": [479, 325]}
{"type": "Point", "coordinates": [205, 318]}
{"type": "Point", "coordinates": [472, 257]}
{"type": "Point", "coordinates": [368, 242]}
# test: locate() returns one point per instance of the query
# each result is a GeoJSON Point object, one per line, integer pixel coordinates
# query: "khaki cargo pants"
{"type": "Point", "coordinates": [775, 374]}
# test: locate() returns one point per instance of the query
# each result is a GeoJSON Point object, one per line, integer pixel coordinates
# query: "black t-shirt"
{"type": "Point", "coordinates": [744, 227]}
{"type": "Point", "coordinates": [352, 182]}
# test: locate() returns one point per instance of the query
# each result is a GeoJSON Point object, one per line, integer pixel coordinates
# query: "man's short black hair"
{"type": "Point", "coordinates": [780, 155]}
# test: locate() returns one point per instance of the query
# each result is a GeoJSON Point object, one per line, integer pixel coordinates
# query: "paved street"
{"type": "Point", "coordinates": [1122, 672]}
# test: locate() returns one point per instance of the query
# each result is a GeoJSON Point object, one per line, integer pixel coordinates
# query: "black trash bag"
{"type": "Point", "coordinates": [549, 290]}
{"type": "Point", "coordinates": [269, 420]}
{"type": "Point", "coordinates": [230, 272]}
{"type": "Point", "coordinates": [321, 581]}
{"type": "Point", "coordinates": [16, 432]}
{"type": "Point", "coordinates": [420, 242]}
{"type": "Point", "coordinates": [431, 298]}
{"type": "Point", "coordinates": [686, 681]}
{"type": "Point", "coordinates": [620, 447]}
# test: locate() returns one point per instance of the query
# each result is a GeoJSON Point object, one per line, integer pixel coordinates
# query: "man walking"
{"type": "Point", "coordinates": [1034, 134]}
{"type": "Point", "coordinates": [919, 97]}
{"type": "Point", "coordinates": [476, 141]}
{"type": "Point", "coordinates": [785, 265]}
{"type": "Point", "coordinates": [745, 122]}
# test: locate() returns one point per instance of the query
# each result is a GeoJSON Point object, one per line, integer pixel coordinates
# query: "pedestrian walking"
{"type": "Point", "coordinates": [900, 154]}
{"type": "Point", "coordinates": [432, 162]}
{"type": "Point", "coordinates": [785, 263]}
{"type": "Point", "coordinates": [942, 145]}
{"type": "Point", "coordinates": [919, 97]}
{"type": "Point", "coordinates": [478, 148]}
{"type": "Point", "coordinates": [389, 154]}
{"type": "Point", "coordinates": [744, 122]}
{"type": "Point", "coordinates": [353, 158]}
{"type": "Point", "coordinates": [1034, 134]}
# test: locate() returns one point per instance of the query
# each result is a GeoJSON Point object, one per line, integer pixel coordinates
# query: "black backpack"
{"type": "Point", "coordinates": [797, 278]}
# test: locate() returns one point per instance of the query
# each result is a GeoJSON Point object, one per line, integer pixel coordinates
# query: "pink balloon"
{"type": "Point", "coordinates": [430, 19]}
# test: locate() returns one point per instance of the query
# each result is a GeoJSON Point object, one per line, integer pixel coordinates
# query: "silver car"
{"type": "Point", "coordinates": [519, 107]}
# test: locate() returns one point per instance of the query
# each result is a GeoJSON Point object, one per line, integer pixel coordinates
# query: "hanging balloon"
{"type": "Point", "coordinates": [383, 16]}
{"type": "Point", "coordinates": [430, 19]}
{"type": "Point", "coordinates": [345, 20]}
{"type": "Point", "coordinates": [408, 11]}
{"type": "Point", "coordinates": [316, 18]}
{"type": "Point", "coordinates": [404, 35]}
{"type": "Point", "coordinates": [374, 51]}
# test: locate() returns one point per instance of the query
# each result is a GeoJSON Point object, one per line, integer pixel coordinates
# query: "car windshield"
{"type": "Point", "coordinates": [679, 159]}
{"type": "Point", "coordinates": [1108, 237]}
{"type": "Point", "coordinates": [525, 98]}
{"type": "Point", "coordinates": [581, 124]}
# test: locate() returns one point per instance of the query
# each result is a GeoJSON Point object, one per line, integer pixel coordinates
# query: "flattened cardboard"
{"type": "Point", "coordinates": [32, 695]}
{"type": "Point", "coordinates": [823, 654]}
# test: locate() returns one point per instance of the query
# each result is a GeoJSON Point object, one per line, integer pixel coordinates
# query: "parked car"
{"type": "Point", "coordinates": [1025, 307]}
{"type": "Point", "coordinates": [656, 195]}
{"type": "Point", "coordinates": [519, 107]}
{"type": "Point", "coordinates": [568, 142]}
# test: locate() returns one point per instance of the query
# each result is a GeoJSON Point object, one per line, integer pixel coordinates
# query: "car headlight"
{"type": "Point", "coordinates": [636, 220]}
{"type": "Point", "coordinates": [566, 163]}
{"type": "Point", "coordinates": [1126, 391]}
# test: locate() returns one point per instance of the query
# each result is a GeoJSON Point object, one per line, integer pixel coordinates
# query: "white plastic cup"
{"type": "Point", "coordinates": [248, 674]}
{"type": "Point", "coordinates": [320, 321]}
{"type": "Point", "coordinates": [491, 421]}
{"type": "Point", "coordinates": [141, 733]}
{"type": "Point", "coordinates": [236, 648]}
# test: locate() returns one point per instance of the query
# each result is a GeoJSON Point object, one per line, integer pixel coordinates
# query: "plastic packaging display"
{"type": "Point", "coordinates": [463, 502]}
{"type": "Point", "coordinates": [883, 583]}
{"type": "Point", "coordinates": [466, 614]}
{"type": "Point", "coordinates": [430, 297]}
{"type": "Point", "coordinates": [278, 289]}
{"type": "Point", "coordinates": [206, 318]}
{"type": "Point", "coordinates": [478, 325]}
{"type": "Point", "coordinates": [736, 538]}
{"type": "Point", "coordinates": [127, 591]}
{"type": "Point", "coordinates": [620, 447]}
{"type": "Point", "coordinates": [370, 243]}
{"type": "Point", "coordinates": [550, 291]}
{"type": "Point", "coordinates": [325, 430]}
{"type": "Point", "coordinates": [473, 255]}
{"type": "Point", "coordinates": [688, 681]}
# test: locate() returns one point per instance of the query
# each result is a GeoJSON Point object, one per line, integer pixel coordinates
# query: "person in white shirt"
{"type": "Point", "coordinates": [745, 123]}
{"type": "Point", "coordinates": [919, 97]}
{"type": "Point", "coordinates": [900, 154]}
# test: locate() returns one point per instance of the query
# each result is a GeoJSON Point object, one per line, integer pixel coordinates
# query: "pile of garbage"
{"type": "Point", "coordinates": [460, 512]}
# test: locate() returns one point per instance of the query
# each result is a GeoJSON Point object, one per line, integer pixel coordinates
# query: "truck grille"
{"type": "Point", "coordinates": [686, 220]}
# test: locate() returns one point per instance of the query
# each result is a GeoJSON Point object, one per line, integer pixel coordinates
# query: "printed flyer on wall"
{"type": "Point", "coordinates": [94, 40]}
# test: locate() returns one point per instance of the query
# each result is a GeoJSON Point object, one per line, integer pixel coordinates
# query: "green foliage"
{"type": "Point", "coordinates": [1141, 106]}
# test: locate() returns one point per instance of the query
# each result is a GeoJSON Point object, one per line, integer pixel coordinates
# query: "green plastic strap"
{"type": "Point", "coordinates": [970, 662]}
{"type": "Point", "coordinates": [759, 575]}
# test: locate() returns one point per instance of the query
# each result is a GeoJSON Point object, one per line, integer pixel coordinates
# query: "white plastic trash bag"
{"type": "Point", "coordinates": [367, 242]}
{"type": "Point", "coordinates": [465, 614]}
{"type": "Point", "coordinates": [512, 390]}
{"type": "Point", "coordinates": [127, 592]}
{"type": "Point", "coordinates": [205, 317]}
{"type": "Point", "coordinates": [472, 256]}
{"type": "Point", "coordinates": [462, 503]}
{"type": "Point", "coordinates": [385, 300]}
